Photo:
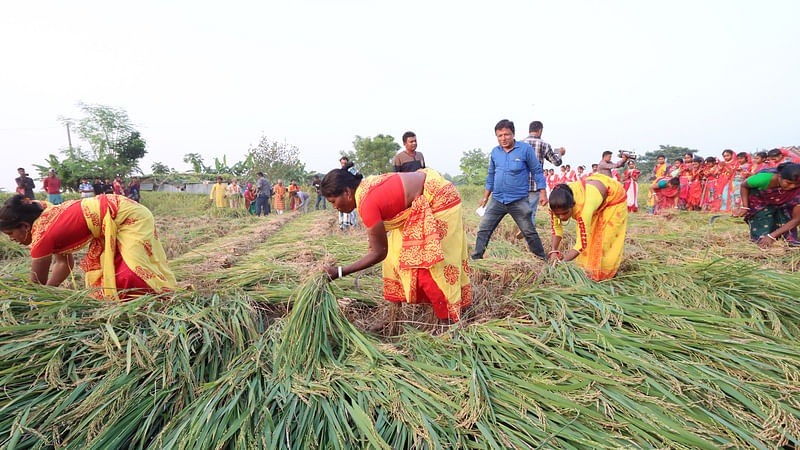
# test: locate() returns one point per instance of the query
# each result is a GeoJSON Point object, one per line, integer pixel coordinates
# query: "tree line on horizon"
{"type": "Point", "coordinates": [115, 147]}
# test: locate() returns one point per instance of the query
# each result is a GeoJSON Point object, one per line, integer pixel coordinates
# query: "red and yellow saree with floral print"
{"type": "Point", "coordinates": [125, 257]}
{"type": "Point", "coordinates": [427, 256]}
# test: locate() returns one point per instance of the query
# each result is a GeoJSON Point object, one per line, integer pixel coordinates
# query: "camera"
{"type": "Point", "coordinates": [627, 154]}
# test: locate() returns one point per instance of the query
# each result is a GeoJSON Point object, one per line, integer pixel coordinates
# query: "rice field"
{"type": "Point", "coordinates": [693, 345]}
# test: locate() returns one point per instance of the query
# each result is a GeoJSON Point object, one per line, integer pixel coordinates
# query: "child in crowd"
{"type": "Point", "coordinates": [709, 183]}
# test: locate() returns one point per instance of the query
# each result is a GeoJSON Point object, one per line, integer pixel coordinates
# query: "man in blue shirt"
{"type": "Point", "coordinates": [510, 165]}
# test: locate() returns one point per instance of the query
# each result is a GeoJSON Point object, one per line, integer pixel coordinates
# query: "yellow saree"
{"type": "Point", "coordinates": [600, 233]}
{"type": "Point", "coordinates": [118, 224]}
{"type": "Point", "coordinates": [124, 252]}
{"type": "Point", "coordinates": [427, 245]}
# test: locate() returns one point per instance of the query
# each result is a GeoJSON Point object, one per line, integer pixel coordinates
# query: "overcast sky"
{"type": "Point", "coordinates": [212, 77]}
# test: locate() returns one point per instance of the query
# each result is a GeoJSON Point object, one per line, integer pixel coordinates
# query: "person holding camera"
{"type": "Point", "coordinates": [605, 166]}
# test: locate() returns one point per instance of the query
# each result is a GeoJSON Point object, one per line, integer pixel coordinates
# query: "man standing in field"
{"type": "Point", "coordinates": [25, 184]}
{"type": "Point", "coordinates": [320, 198]}
{"type": "Point", "coordinates": [218, 193]}
{"type": "Point", "coordinates": [606, 166]}
{"type": "Point", "coordinates": [108, 188]}
{"type": "Point", "coordinates": [543, 152]}
{"type": "Point", "coordinates": [52, 185]}
{"type": "Point", "coordinates": [85, 188]}
{"type": "Point", "coordinates": [97, 186]}
{"type": "Point", "coordinates": [264, 190]}
{"type": "Point", "coordinates": [511, 164]}
{"type": "Point", "coordinates": [409, 160]}
{"type": "Point", "coordinates": [347, 220]}
{"type": "Point", "coordinates": [280, 197]}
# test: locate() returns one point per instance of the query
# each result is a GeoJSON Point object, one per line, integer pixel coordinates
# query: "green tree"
{"type": "Point", "coordinates": [116, 147]}
{"type": "Point", "coordinates": [160, 169]}
{"type": "Point", "coordinates": [645, 163]}
{"type": "Point", "coordinates": [132, 147]}
{"type": "Point", "coordinates": [474, 166]}
{"type": "Point", "coordinates": [276, 160]}
{"type": "Point", "coordinates": [196, 160]}
{"type": "Point", "coordinates": [220, 167]}
{"type": "Point", "coordinates": [108, 129]}
{"type": "Point", "coordinates": [75, 165]}
{"type": "Point", "coordinates": [373, 155]}
{"type": "Point", "coordinates": [244, 167]}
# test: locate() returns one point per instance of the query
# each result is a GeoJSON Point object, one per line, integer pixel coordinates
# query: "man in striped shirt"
{"type": "Point", "coordinates": [409, 160]}
{"type": "Point", "coordinates": [543, 152]}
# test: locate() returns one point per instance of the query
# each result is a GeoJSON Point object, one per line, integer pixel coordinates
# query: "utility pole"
{"type": "Point", "coordinates": [69, 138]}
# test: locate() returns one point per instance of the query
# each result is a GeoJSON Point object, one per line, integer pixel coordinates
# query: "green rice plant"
{"type": "Point", "coordinates": [91, 374]}
{"type": "Point", "coordinates": [10, 250]}
{"type": "Point", "coordinates": [648, 359]}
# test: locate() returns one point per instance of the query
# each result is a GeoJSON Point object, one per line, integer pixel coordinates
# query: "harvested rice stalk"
{"type": "Point", "coordinates": [316, 332]}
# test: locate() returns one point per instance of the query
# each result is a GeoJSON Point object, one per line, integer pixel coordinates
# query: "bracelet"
{"type": "Point", "coordinates": [770, 236]}
{"type": "Point", "coordinates": [744, 207]}
{"type": "Point", "coordinates": [340, 271]}
{"type": "Point", "coordinates": [553, 251]}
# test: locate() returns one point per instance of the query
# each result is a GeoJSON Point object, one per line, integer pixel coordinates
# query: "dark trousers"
{"type": "Point", "coordinates": [320, 198]}
{"type": "Point", "coordinates": [262, 204]}
{"type": "Point", "coordinates": [520, 211]}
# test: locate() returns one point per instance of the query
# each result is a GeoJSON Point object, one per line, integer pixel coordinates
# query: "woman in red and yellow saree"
{"type": "Point", "coordinates": [425, 254]}
{"type": "Point", "coordinates": [710, 183]}
{"type": "Point", "coordinates": [696, 177]}
{"type": "Point", "coordinates": [661, 169]}
{"type": "Point", "coordinates": [124, 258]}
{"type": "Point", "coordinates": [771, 204]}
{"type": "Point", "coordinates": [632, 187]}
{"type": "Point", "coordinates": [663, 194]}
{"type": "Point", "coordinates": [598, 206]}
{"type": "Point", "coordinates": [725, 200]}
{"type": "Point", "coordinates": [685, 176]}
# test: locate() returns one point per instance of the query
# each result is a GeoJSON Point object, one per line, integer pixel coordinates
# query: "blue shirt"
{"type": "Point", "coordinates": [508, 172]}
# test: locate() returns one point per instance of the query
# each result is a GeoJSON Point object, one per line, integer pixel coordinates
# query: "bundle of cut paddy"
{"type": "Point", "coordinates": [632, 362]}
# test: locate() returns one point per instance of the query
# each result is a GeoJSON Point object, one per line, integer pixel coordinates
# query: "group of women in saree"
{"type": "Point", "coordinates": [709, 184]}
{"type": "Point", "coordinates": [765, 195]}
{"type": "Point", "coordinates": [414, 225]}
